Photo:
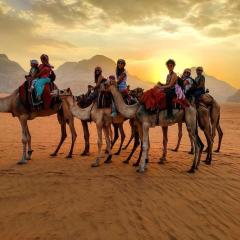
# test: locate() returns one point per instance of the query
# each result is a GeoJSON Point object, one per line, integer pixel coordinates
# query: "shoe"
{"type": "Point", "coordinates": [114, 114]}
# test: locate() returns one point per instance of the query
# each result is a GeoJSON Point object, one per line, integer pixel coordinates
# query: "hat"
{"type": "Point", "coordinates": [34, 62]}
{"type": "Point", "coordinates": [199, 69]}
{"type": "Point", "coordinates": [187, 70]}
{"type": "Point", "coordinates": [112, 77]}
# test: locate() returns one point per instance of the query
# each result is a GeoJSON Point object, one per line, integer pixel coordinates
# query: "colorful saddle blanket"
{"type": "Point", "coordinates": [155, 99]}
{"type": "Point", "coordinates": [27, 98]}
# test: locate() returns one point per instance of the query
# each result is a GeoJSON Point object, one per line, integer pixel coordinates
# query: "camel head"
{"type": "Point", "coordinates": [62, 93]}
{"type": "Point", "coordinates": [137, 92]}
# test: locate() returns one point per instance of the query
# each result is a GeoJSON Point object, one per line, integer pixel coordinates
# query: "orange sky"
{"type": "Point", "coordinates": [145, 33]}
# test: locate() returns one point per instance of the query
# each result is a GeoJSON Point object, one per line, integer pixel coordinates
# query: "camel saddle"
{"type": "Point", "coordinates": [206, 99]}
{"type": "Point", "coordinates": [155, 100]}
{"type": "Point", "coordinates": [27, 97]}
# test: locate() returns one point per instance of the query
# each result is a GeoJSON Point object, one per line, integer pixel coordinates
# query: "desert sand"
{"type": "Point", "coordinates": [56, 198]}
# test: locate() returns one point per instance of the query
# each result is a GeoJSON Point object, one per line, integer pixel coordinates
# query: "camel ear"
{"type": "Point", "coordinates": [69, 91]}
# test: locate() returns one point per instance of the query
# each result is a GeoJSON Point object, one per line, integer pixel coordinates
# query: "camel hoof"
{"type": "Point", "coordinates": [191, 152]}
{"type": "Point", "coordinates": [174, 150]}
{"type": "Point", "coordinates": [85, 154]}
{"type": "Point", "coordinates": [124, 148]}
{"type": "Point", "coordinates": [140, 169]}
{"type": "Point", "coordinates": [207, 162]}
{"type": "Point", "coordinates": [109, 159]}
{"type": "Point", "coordinates": [21, 162]}
{"type": "Point", "coordinates": [95, 164]}
{"type": "Point", "coordinates": [53, 154]}
{"type": "Point", "coordinates": [117, 153]}
{"type": "Point", "coordinates": [217, 151]}
{"type": "Point", "coordinates": [191, 170]}
{"type": "Point", "coordinates": [126, 161]}
{"type": "Point", "coordinates": [69, 157]}
{"type": "Point", "coordinates": [136, 164]}
{"type": "Point", "coordinates": [162, 160]}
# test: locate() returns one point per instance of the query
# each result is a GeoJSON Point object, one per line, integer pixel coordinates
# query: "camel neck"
{"type": "Point", "coordinates": [81, 113]}
{"type": "Point", "coordinates": [5, 104]}
{"type": "Point", "coordinates": [128, 111]}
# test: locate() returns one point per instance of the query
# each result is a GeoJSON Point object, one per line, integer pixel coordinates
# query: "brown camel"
{"type": "Point", "coordinates": [214, 114]}
{"type": "Point", "coordinates": [145, 121]}
{"type": "Point", "coordinates": [12, 104]}
{"type": "Point", "coordinates": [102, 118]}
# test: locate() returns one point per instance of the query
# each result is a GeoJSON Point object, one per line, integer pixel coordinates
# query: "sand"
{"type": "Point", "coordinates": [57, 198]}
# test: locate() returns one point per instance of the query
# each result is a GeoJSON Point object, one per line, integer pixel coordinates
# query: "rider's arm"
{"type": "Point", "coordinates": [121, 77]}
{"type": "Point", "coordinates": [43, 71]}
{"type": "Point", "coordinates": [201, 82]}
{"type": "Point", "coordinates": [172, 82]}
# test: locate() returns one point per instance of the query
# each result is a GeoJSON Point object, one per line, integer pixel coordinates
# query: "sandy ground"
{"type": "Point", "coordinates": [56, 198]}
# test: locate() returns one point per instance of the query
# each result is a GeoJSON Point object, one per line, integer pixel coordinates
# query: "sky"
{"type": "Point", "coordinates": [144, 32]}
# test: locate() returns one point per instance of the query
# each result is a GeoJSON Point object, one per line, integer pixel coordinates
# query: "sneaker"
{"type": "Point", "coordinates": [114, 114]}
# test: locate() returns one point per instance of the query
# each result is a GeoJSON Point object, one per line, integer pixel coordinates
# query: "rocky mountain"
{"type": "Point", "coordinates": [78, 75]}
{"type": "Point", "coordinates": [235, 97]}
{"type": "Point", "coordinates": [11, 74]}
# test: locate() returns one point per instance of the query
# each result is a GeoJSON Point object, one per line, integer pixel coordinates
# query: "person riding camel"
{"type": "Point", "coordinates": [43, 77]}
{"type": "Point", "coordinates": [187, 81]}
{"type": "Point", "coordinates": [121, 75]}
{"type": "Point", "coordinates": [34, 70]}
{"type": "Point", "coordinates": [198, 88]}
{"type": "Point", "coordinates": [98, 79]}
{"type": "Point", "coordinates": [169, 87]}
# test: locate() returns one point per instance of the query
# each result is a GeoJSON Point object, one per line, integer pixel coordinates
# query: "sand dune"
{"type": "Point", "coordinates": [56, 198]}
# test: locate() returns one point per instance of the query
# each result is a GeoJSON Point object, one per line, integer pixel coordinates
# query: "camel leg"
{"type": "Point", "coordinates": [63, 137]}
{"type": "Point", "coordinates": [136, 164]}
{"type": "Point", "coordinates": [220, 136]}
{"type": "Point", "coordinates": [122, 138]}
{"type": "Point", "coordinates": [30, 151]}
{"type": "Point", "coordinates": [192, 145]}
{"type": "Point", "coordinates": [99, 131]}
{"type": "Point", "coordinates": [130, 140]}
{"type": "Point", "coordinates": [165, 142]}
{"type": "Point", "coordinates": [116, 136]}
{"type": "Point", "coordinates": [191, 123]}
{"type": "Point", "coordinates": [86, 138]}
{"type": "Point", "coordinates": [145, 146]}
{"type": "Point", "coordinates": [207, 133]}
{"type": "Point", "coordinates": [23, 121]}
{"type": "Point", "coordinates": [110, 133]}
{"type": "Point", "coordinates": [108, 141]}
{"type": "Point", "coordinates": [74, 136]}
{"type": "Point", "coordinates": [179, 137]}
{"type": "Point", "coordinates": [135, 146]}
{"type": "Point", "coordinates": [133, 128]}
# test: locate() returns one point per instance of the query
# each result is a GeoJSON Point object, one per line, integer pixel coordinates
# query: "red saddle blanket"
{"type": "Point", "coordinates": [26, 96]}
{"type": "Point", "coordinates": [155, 98]}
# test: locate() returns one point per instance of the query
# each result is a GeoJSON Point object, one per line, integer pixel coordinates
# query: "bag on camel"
{"type": "Point", "coordinates": [52, 76]}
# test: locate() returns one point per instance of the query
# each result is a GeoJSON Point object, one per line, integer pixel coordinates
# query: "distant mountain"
{"type": "Point", "coordinates": [220, 90]}
{"type": "Point", "coordinates": [235, 97]}
{"type": "Point", "coordinates": [78, 75]}
{"type": "Point", "coordinates": [11, 74]}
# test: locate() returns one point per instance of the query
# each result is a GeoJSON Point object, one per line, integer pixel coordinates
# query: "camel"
{"type": "Point", "coordinates": [145, 121]}
{"type": "Point", "coordinates": [12, 104]}
{"type": "Point", "coordinates": [117, 123]}
{"type": "Point", "coordinates": [101, 117]}
{"type": "Point", "coordinates": [214, 114]}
